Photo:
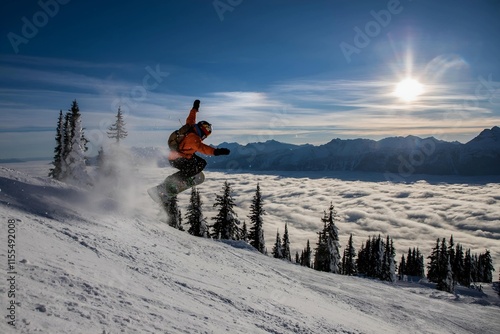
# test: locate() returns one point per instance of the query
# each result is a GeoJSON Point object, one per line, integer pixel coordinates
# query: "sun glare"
{"type": "Point", "coordinates": [408, 89]}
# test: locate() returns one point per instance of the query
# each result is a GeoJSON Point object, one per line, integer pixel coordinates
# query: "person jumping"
{"type": "Point", "coordinates": [184, 158]}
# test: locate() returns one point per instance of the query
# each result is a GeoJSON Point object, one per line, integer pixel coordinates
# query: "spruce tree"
{"type": "Point", "coordinates": [75, 159]}
{"type": "Point", "coordinates": [74, 116]}
{"type": "Point", "coordinates": [174, 213]}
{"type": "Point", "coordinates": [434, 263]}
{"type": "Point", "coordinates": [244, 232]}
{"type": "Point", "coordinates": [349, 263]}
{"type": "Point", "coordinates": [287, 254]}
{"type": "Point", "coordinates": [445, 280]}
{"type": "Point", "coordinates": [363, 258]}
{"type": "Point", "coordinates": [225, 226]}
{"type": "Point", "coordinates": [321, 262]}
{"type": "Point", "coordinates": [468, 268]}
{"type": "Point", "coordinates": [117, 129]}
{"type": "Point", "coordinates": [277, 248]}
{"type": "Point", "coordinates": [194, 216]}
{"type": "Point", "coordinates": [307, 255]}
{"type": "Point", "coordinates": [487, 267]}
{"type": "Point", "coordinates": [256, 235]}
{"type": "Point", "coordinates": [402, 270]}
{"type": "Point", "coordinates": [67, 139]}
{"type": "Point", "coordinates": [56, 172]}
{"type": "Point", "coordinates": [332, 241]}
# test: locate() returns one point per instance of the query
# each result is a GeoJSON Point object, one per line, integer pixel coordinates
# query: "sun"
{"type": "Point", "coordinates": [409, 89]}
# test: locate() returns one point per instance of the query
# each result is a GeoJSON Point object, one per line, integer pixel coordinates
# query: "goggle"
{"type": "Point", "coordinates": [206, 128]}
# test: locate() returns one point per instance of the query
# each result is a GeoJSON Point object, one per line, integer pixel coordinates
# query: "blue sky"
{"type": "Point", "coordinates": [293, 71]}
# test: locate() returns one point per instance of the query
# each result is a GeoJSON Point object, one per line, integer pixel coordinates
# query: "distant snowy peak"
{"type": "Point", "coordinates": [487, 137]}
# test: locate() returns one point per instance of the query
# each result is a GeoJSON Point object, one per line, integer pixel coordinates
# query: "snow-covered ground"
{"type": "Point", "coordinates": [87, 263]}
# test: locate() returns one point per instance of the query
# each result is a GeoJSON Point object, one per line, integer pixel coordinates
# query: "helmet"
{"type": "Point", "coordinates": [205, 129]}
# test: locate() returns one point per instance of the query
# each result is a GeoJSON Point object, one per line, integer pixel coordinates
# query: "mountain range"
{"type": "Point", "coordinates": [398, 156]}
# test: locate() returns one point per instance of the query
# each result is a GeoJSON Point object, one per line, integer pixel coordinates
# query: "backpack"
{"type": "Point", "coordinates": [177, 136]}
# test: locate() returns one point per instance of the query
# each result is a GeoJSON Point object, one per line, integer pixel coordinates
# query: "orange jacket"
{"type": "Point", "coordinates": [191, 143]}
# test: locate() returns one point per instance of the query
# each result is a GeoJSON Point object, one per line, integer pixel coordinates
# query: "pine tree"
{"type": "Point", "coordinates": [277, 248]}
{"type": "Point", "coordinates": [321, 262]}
{"type": "Point", "coordinates": [420, 266]}
{"type": "Point", "coordinates": [194, 216]}
{"type": "Point", "coordinates": [244, 232]}
{"type": "Point", "coordinates": [174, 215]}
{"type": "Point", "coordinates": [74, 116]}
{"type": "Point", "coordinates": [377, 257]}
{"type": "Point", "coordinates": [332, 240]}
{"type": "Point", "coordinates": [445, 280]}
{"type": "Point", "coordinates": [256, 235]}
{"type": "Point", "coordinates": [402, 270]}
{"type": "Point", "coordinates": [287, 254]}
{"type": "Point", "coordinates": [225, 226]}
{"type": "Point", "coordinates": [349, 262]}
{"type": "Point", "coordinates": [458, 264]}
{"type": "Point", "coordinates": [67, 139]}
{"type": "Point", "coordinates": [117, 129]}
{"type": "Point", "coordinates": [307, 255]}
{"type": "Point", "coordinates": [56, 172]}
{"type": "Point", "coordinates": [75, 159]}
{"type": "Point", "coordinates": [363, 258]}
{"type": "Point", "coordinates": [392, 260]}
{"type": "Point", "coordinates": [434, 263]}
{"type": "Point", "coordinates": [468, 268]}
{"type": "Point", "coordinates": [487, 267]}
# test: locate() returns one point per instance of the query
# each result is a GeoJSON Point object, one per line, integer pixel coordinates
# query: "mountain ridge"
{"type": "Point", "coordinates": [401, 156]}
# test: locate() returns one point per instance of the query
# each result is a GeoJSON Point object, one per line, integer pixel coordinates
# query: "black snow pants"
{"type": "Point", "coordinates": [188, 167]}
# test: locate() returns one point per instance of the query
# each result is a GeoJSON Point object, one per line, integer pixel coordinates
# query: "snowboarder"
{"type": "Point", "coordinates": [183, 157]}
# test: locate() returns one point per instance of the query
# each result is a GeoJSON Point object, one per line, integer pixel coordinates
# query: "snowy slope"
{"type": "Point", "coordinates": [88, 264]}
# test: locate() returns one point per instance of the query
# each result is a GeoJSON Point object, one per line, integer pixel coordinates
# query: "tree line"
{"type": "Point", "coordinates": [71, 144]}
{"type": "Point", "coordinates": [448, 265]}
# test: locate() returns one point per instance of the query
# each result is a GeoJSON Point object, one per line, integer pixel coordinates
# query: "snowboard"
{"type": "Point", "coordinates": [172, 186]}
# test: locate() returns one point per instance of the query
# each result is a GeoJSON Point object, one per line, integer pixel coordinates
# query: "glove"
{"type": "Point", "coordinates": [221, 151]}
{"type": "Point", "coordinates": [196, 104]}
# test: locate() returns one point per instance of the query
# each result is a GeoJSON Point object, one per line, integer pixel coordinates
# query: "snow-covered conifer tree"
{"type": "Point", "coordinates": [321, 262]}
{"type": "Point", "coordinates": [225, 226]}
{"type": "Point", "coordinates": [256, 235]}
{"type": "Point", "coordinates": [194, 216]}
{"type": "Point", "coordinates": [349, 262]}
{"type": "Point", "coordinates": [174, 215]}
{"type": "Point", "coordinates": [402, 267]}
{"type": "Point", "coordinates": [117, 129]}
{"type": "Point", "coordinates": [287, 254]}
{"type": "Point", "coordinates": [74, 116]}
{"type": "Point", "coordinates": [434, 263]}
{"type": "Point", "coordinates": [75, 159]}
{"type": "Point", "coordinates": [445, 280]}
{"type": "Point", "coordinates": [487, 267]}
{"type": "Point", "coordinates": [332, 239]}
{"type": "Point", "coordinates": [307, 255]}
{"type": "Point", "coordinates": [244, 232]}
{"type": "Point", "coordinates": [277, 248]}
{"type": "Point", "coordinates": [56, 172]}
